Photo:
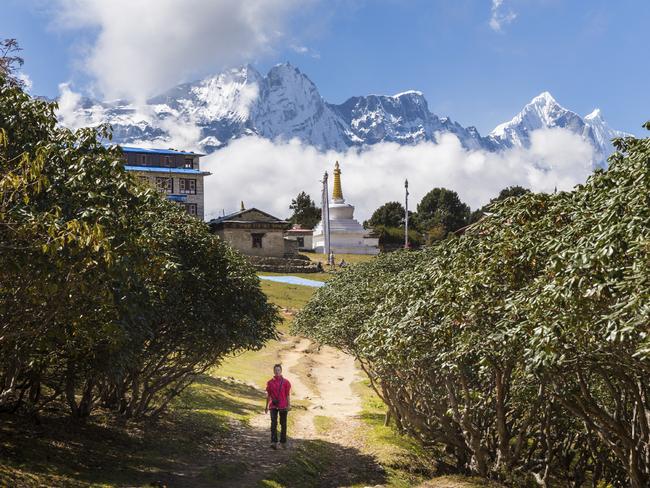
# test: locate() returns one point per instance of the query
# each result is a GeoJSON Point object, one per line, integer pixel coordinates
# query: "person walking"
{"type": "Point", "coordinates": [278, 401]}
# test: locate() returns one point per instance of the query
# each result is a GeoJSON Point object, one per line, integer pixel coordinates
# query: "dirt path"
{"type": "Point", "coordinates": [322, 380]}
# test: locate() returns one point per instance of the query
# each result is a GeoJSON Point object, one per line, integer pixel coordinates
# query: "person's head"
{"type": "Point", "coordinates": [277, 370]}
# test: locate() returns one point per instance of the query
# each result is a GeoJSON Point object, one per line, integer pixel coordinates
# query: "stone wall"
{"type": "Point", "coordinates": [298, 264]}
{"type": "Point", "coordinates": [241, 239]}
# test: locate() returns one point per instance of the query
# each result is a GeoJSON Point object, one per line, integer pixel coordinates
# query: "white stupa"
{"type": "Point", "coordinates": [347, 236]}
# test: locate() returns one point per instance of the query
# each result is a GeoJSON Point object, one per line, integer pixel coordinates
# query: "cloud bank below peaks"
{"type": "Point", "coordinates": [268, 174]}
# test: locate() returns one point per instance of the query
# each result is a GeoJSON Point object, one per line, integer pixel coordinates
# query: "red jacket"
{"type": "Point", "coordinates": [278, 389]}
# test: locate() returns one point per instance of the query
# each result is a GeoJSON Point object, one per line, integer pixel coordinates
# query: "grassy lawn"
{"type": "Point", "coordinates": [348, 258]}
{"type": "Point", "coordinates": [105, 452]}
{"type": "Point", "coordinates": [286, 296]}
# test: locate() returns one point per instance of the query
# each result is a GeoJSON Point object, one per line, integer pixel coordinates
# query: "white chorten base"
{"type": "Point", "coordinates": [347, 236]}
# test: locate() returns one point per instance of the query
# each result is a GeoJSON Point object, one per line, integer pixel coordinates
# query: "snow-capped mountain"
{"type": "Point", "coordinates": [542, 112]}
{"type": "Point", "coordinates": [285, 104]}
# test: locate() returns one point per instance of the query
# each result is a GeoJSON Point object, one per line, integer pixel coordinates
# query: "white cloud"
{"type": "Point", "coordinates": [26, 80]}
{"type": "Point", "coordinates": [500, 18]}
{"type": "Point", "coordinates": [71, 112]}
{"type": "Point", "coordinates": [143, 47]}
{"type": "Point", "coordinates": [304, 50]}
{"type": "Point", "coordinates": [268, 174]}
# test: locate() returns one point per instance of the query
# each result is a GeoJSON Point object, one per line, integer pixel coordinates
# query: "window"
{"type": "Point", "coordinates": [187, 185]}
{"type": "Point", "coordinates": [143, 160]}
{"type": "Point", "coordinates": [257, 240]}
{"type": "Point", "coordinates": [168, 161]}
{"type": "Point", "coordinates": [143, 178]}
{"type": "Point", "coordinates": [301, 242]}
{"type": "Point", "coordinates": [189, 163]}
{"type": "Point", "coordinates": [165, 185]}
{"type": "Point", "coordinates": [191, 209]}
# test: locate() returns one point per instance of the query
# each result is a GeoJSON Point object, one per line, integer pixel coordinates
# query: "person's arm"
{"type": "Point", "coordinates": [289, 397]}
{"type": "Point", "coordinates": [266, 407]}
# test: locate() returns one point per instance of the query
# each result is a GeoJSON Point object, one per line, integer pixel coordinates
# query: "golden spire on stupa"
{"type": "Point", "coordinates": [337, 194]}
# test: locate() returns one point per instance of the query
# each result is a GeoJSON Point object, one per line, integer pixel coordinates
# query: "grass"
{"type": "Point", "coordinates": [286, 296]}
{"type": "Point", "coordinates": [348, 258]}
{"type": "Point", "coordinates": [105, 452]}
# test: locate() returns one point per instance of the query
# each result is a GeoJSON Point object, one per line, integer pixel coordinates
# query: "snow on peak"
{"type": "Point", "coordinates": [408, 92]}
{"type": "Point", "coordinates": [595, 114]}
{"type": "Point", "coordinates": [545, 98]}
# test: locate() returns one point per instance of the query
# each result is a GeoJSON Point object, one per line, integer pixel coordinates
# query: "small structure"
{"type": "Point", "coordinates": [304, 237]}
{"type": "Point", "coordinates": [255, 233]}
{"type": "Point", "coordinates": [175, 173]}
{"type": "Point", "coordinates": [347, 235]}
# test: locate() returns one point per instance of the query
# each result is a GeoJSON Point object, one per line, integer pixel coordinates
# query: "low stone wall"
{"type": "Point", "coordinates": [294, 264]}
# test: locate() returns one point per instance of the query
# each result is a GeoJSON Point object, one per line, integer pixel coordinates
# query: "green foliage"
{"type": "Point", "coordinates": [108, 293]}
{"type": "Point", "coordinates": [391, 237]}
{"type": "Point", "coordinates": [442, 208]}
{"type": "Point", "coordinates": [390, 214]}
{"type": "Point", "coordinates": [305, 211]}
{"type": "Point", "coordinates": [519, 350]}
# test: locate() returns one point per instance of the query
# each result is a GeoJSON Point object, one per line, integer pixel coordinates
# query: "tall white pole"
{"type": "Point", "coordinates": [406, 214]}
{"type": "Point", "coordinates": [325, 216]}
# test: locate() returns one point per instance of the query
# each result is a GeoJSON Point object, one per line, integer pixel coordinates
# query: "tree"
{"type": "Point", "coordinates": [305, 211]}
{"type": "Point", "coordinates": [518, 351]}
{"type": "Point", "coordinates": [442, 208]}
{"type": "Point", "coordinates": [10, 62]}
{"type": "Point", "coordinates": [390, 214]}
{"type": "Point", "coordinates": [108, 292]}
{"type": "Point", "coordinates": [511, 191]}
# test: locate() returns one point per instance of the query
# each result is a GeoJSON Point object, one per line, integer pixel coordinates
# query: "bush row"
{"type": "Point", "coordinates": [109, 295]}
{"type": "Point", "coordinates": [520, 350]}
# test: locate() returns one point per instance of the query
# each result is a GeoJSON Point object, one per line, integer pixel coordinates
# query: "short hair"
{"type": "Point", "coordinates": [277, 366]}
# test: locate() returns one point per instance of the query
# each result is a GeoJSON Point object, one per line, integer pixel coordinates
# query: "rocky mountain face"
{"type": "Point", "coordinates": [285, 104]}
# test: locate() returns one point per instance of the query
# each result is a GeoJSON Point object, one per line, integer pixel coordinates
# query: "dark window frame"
{"type": "Point", "coordinates": [167, 189]}
{"type": "Point", "coordinates": [192, 209]}
{"type": "Point", "coordinates": [182, 186]}
{"type": "Point", "coordinates": [256, 240]}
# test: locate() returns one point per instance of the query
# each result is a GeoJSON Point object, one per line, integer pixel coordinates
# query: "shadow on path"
{"type": "Point", "coordinates": [247, 460]}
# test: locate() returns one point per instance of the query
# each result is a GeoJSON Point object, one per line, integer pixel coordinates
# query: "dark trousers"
{"type": "Point", "coordinates": [274, 425]}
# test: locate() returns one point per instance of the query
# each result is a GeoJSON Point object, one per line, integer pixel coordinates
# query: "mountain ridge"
{"type": "Point", "coordinates": [285, 104]}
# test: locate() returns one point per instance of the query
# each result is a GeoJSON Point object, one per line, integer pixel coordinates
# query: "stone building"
{"type": "Point", "coordinates": [304, 237]}
{"type": "Point", "coordinates": [255, 233]}
{"type": "Point", "coordinates": [347, 235]}
{"type": "Point", "coordinates": [177, 174]}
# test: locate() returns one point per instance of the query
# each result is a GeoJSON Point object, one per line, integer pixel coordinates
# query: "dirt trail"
{"type": "Point", "coordinates": [321, 378]}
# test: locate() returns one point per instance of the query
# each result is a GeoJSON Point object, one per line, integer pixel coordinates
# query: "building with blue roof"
{"type": "Point", "coordinates": [177, 174]}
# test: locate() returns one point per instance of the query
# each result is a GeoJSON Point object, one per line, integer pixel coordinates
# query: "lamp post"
{"type": "Point", "coordinates": [406, 214]}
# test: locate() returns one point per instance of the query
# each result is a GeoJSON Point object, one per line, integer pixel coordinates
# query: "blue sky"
{"type": "Point", "coordinates": [586, 53]}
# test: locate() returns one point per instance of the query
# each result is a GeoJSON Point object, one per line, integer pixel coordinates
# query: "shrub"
{"type": "Point", "coordinates": [520, 349]}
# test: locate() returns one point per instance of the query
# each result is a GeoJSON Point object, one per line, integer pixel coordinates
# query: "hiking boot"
{"type": "Point", "coordinates": [283, 445]}
{"type": "Point", "coordinates": [274, 445]}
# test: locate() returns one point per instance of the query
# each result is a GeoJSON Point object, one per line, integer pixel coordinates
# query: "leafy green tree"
{"type": "Point", "coordinates": [518, 351]}
{"type": "Point", "coordinates": [108, 293]}
{"type": "Point", "coordinates": [390, 214]}
{"type": "Point", "coordinates": [442, 208]}
{"type": "Point", "coordinates": [305, 211]}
